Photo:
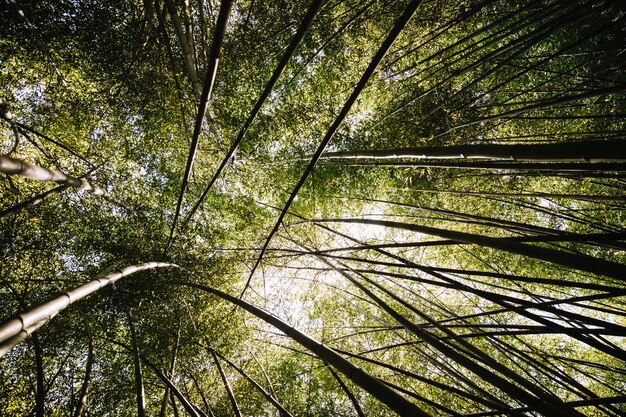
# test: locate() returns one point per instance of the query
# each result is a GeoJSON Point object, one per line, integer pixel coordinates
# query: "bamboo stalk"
{"type": "Point", "coordinates": [32, 201]}
{"type": "Point", "coordinates": [174, 391]}
{"type": "Point", "coordinates": [229, 390]}
{"type": "Point", "coordinates": [538, 400]}
{"type": "Point", "coordinates": [166, 393]}
{"type": "Point", "coordinates": [82, 397]}
{"type": "Point", "coordinates": [569, 260]}
{"type": "Point", "coordinates": [579, 151]}
{"type": "Point", "coordinates": [12, 166]}
{"type": "Point", "coordinates": [205, 101]}
{"type": "Point", "coordinates": [16, 329]}
{"type": "Point", "coordinates": [139, 389]}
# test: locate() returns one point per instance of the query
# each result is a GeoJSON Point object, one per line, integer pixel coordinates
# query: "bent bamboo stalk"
{"type": "Point", "coordinates": [12, 166]}
{"type": "Point", "coordinates": [19, 327]}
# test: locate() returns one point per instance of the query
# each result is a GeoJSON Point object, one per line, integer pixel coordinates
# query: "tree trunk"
{"type": "Point", "coordinates": [12, 166]}
{"type": "Point", "coordinates": [580, 169]}
{"type": "Point", "coordinates": [620, 399]}
{"type": "Point", "coordinates": [174, 406]}
{"type": "Point", "coordinates": [538, 400]}
{"type": "Point", "coordinates": [584, 197]}
{"type": "Point", "coordinates": [201, 392]}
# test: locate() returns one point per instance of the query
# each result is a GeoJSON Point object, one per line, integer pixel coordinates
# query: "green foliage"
{"type": "Point", "coordinates": [102, 90]}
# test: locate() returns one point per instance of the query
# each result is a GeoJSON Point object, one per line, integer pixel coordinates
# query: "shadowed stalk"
{"type": "Point", "coordinates": [40, 390]}
{"type": "Point", "coordinates": [539, 400]}
{"type": "Point", "coordinates": [579, 151]}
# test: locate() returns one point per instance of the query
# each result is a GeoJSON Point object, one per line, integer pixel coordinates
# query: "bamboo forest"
{"type": "Point", "coordinates": [274, 208]}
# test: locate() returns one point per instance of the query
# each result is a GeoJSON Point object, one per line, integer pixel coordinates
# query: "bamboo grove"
{"type": "Point", "coordinates": [312, 208]}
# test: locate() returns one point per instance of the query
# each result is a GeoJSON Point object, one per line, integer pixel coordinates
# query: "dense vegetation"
{"type": "Point", "coordinates": [336, 208]}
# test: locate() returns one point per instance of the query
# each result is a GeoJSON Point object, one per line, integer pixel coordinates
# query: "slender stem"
{"type": "Point", "coordinates": [229, 390]}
